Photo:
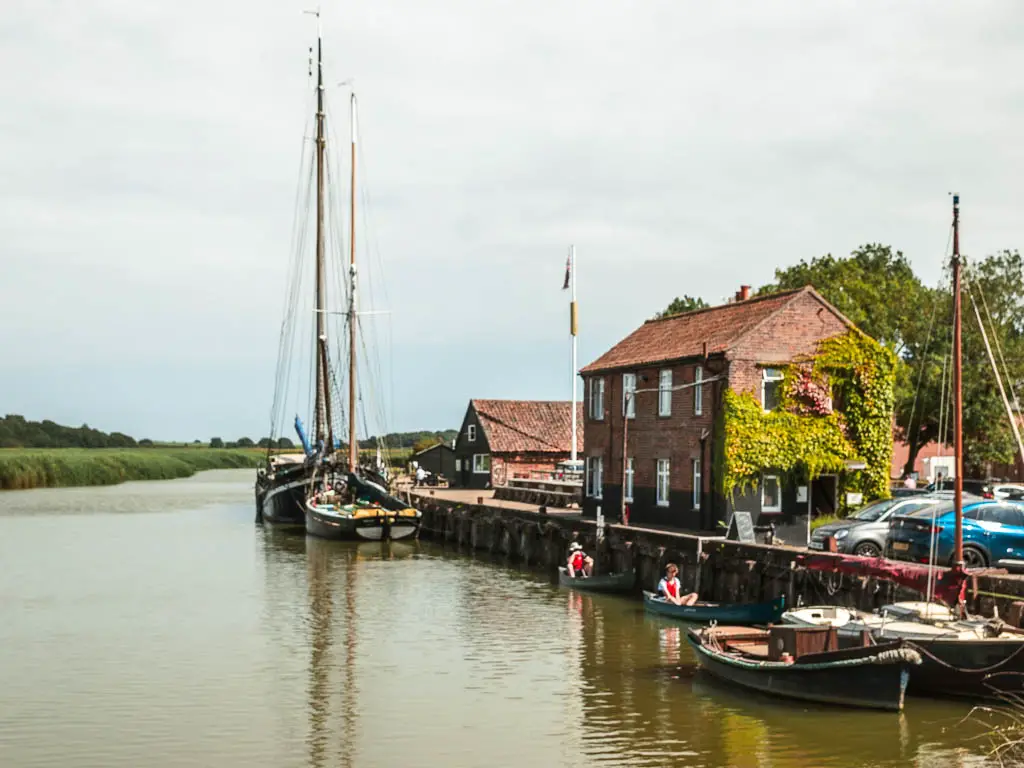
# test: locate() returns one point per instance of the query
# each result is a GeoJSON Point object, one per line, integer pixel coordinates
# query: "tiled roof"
{"type": "Point", "coordinates": [683, 335]}
{"type": "Point", "coordinates": [529, 426]}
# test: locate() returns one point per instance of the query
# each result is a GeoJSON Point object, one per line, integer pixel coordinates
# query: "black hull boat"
{"type": "Point", "coordinates": [281, 491]}
{"type": "Point", "coordinates": [371, 514]}
{"type": "Point", "coordinates": [973, 659]}
{"type": "Point", "coordinates": [605, 582]}
{"type": "Point", "coordinates": [869, 677]}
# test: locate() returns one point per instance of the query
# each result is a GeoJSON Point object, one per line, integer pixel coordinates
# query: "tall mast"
{"type": "Point", "coordinates": [353, 447]}
{"type": "Point", "coordinates": [958, 437]}
{"type": "Point", "coordinates": [572, 330]}
{"type": "Point", "coordinates": [320, 421]}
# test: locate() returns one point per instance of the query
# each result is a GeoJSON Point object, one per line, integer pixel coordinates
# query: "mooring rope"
{"type": "Point", "coordinates": [980, 670]}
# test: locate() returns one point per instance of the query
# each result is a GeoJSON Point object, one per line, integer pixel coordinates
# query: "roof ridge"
{"type": "Point", "coordinates": [744, 302]}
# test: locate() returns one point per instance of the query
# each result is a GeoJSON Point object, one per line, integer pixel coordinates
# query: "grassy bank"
{"type": "Point", "coordinates": [61, 467]}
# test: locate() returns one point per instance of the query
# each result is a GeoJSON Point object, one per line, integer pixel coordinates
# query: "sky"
{"type": "Point", "coordinates": [150, 153]}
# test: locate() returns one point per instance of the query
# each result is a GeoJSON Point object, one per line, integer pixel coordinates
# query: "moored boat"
{"type": "Point", "coordinates": [775, 661]}
{"type": "Point", "coordinates": [729, 613]}
{"type": "Point", "coordinates": [330, 515]}
{"type": "Point", "coordinates": [281, 489]}
{"type": "Point", "coordinates": [959, 658]}
{"type": "Point", "coordinates": [605, 582]}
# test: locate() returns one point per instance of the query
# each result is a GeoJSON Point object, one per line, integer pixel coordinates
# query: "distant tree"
{"type": "Point", "coordinates": [244, 442]}
{"type": "Point", "coordinates": [423, 443]}
{"type": "Point", "coordinates": [284, 442]}
{"type": "Point", "coordinates": [684, 304]}
{"type": "Point", "coordinates": [197, 442]}
{"type": "Point", "coordinates": [145, 443]}
{"type": "Point", "coordinates": [264, 442]}
{"type": "Point", "coordinates": [216, 443]}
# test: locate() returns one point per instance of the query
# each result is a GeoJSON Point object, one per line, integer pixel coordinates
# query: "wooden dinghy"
{"type": "Point", "coordinates": [805, 663]}
{"type": "Point", "coordinates": [723, 613]}
{"type": "Point", "coordinates": [605, 582]}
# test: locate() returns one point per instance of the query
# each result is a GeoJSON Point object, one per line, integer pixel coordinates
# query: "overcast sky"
{"type": "Point", "coordinates": [150, 155]}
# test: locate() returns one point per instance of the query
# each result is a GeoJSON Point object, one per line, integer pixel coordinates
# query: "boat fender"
{"type": "Point", "coordinates": [898, 656]}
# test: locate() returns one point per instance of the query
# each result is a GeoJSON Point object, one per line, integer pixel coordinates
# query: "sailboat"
{"type": "Point", "coordinates": [344, 500]}
{"type": "Point", "coordinates": [325, 489]}
{"type": "Point", "coordinates": [961, 656]}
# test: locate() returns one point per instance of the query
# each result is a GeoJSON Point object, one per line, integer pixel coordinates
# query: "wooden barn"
{"type": "Point", "coordinates": [503, 439]}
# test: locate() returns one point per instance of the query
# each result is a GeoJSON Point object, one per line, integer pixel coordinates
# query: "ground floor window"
{"type": "Point", "coordinates": [771, 494]}
{"type": "Point", "coordinates": [594, 476]}
{"type": "Point", "coordinates": [663, 482]}
{"type": "Point", "coordinates": [482, 463]}
{"type": "Point", "coordinates": [628, 488]}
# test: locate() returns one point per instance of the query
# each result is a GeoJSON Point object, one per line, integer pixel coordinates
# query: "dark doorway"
{"type": "Point", "coordinates": [823, 495]}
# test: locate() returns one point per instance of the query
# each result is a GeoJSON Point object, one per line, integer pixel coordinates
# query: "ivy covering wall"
{"type": "Point", "coordinates": [835, 407]}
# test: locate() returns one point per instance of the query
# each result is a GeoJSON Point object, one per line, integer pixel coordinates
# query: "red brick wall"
{"type": "Point", "coordinates": [505, 466]}
{"type": "Point", "coordinates": [651, 437]}
{"type": "Point", "coordinates": [795, 331]}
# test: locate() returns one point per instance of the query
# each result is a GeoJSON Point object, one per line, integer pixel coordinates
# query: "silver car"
{"type": "Point", "coordinates": [863, 533]}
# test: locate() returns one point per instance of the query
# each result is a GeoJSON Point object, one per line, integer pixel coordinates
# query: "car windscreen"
{"type": "Point", "coordinates": [932, 509]}
{"type": "Point", "coordinates": [873, 511]}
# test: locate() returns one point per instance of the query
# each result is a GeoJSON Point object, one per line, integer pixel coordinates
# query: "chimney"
{"type": "Point", "coordinates": [744, 293]}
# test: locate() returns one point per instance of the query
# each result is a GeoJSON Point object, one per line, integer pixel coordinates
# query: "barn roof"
{"type": "Point", "coordinates": [529, 426]}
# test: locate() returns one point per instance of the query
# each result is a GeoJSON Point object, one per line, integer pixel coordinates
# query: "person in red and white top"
{"type": "Point", "coordinates": [670, 588]}
{"type": "Point", "coordinates": [579, 564]}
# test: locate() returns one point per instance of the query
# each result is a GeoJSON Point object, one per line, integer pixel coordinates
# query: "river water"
{"type": "Point", "coordinates": [153, 624]}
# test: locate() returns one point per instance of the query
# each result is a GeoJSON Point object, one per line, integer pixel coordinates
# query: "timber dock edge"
{"type": "Point", "coordinates": [718, 569]}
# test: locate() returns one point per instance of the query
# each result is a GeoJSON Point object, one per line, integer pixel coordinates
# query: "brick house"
{"type": "Point", "coordinates": [679, 368]}
{"type": "Point", "coordinates": [502, 439]}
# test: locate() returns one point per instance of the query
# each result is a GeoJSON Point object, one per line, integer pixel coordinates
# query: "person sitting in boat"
{"type": "Point", "coordinates": [579, 565]}
{"type": "Point", "coordinates": [670, 588]}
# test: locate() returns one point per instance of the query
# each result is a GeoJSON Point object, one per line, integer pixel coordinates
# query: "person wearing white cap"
{"type": "Point", "coordinates": [579, 563]}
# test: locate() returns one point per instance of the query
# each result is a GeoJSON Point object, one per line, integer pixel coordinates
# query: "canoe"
{"type": "Point", "coordinates": [870, 677]}
{"type": "Point", "coordinates": [727, 613]}
{"type": "Point", "coordinates": [605, 582]}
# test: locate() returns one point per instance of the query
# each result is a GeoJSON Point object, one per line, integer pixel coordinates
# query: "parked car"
{"type": "Point", "coordinates": [980, 488]}
{"type": "Point", "coordinates": [899, 491]}
{"type": "Point", "coordinates": [993, 534]}
{"type": "Point", "coordinates": [1007, 490]}
{"type": "Point", "coordinates": [863, 533]}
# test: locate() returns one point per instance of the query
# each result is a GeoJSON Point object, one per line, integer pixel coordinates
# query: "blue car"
{"type": "Point", "coordinates": [993, 534]}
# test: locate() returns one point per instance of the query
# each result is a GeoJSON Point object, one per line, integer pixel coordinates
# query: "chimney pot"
{"type": "Point", "coordinates": [744, 293]}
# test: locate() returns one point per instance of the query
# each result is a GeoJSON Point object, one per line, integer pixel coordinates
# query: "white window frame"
{"type": "Point", "coordinates": [478, 464]}
{"type": "Point", "coordinates": [769, 375]}
{"type": "Point", "coordinates": [697, 482]}
{"type": "Point", "coordinates": [698, 391]}
{"type": "Point", "coordinates": [596, 399]}
{"type": "Point", "coordinates": [458, 465]}
{"type": "Point", "coordinates": [594, 479]}
{"type": "Point", "coordinates": [629, 403]}
{"type": "Point", "coordinates": [665, 392]}
{"type": "Point", "coordinates": [471, 433]}
{"type": "Point", "coordinates": [664, 472]}
{"type": "Point", "coordinates": [778, 486]}
{"type": "Point", "coordinates": [627, 488]}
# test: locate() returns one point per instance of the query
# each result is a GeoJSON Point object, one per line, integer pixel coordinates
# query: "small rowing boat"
{"type": "Point", "coordinates": [605, 582]}
{"type": "Point", "coordinates": [805, 663]}
{"type": "Point", "coordinates": [723, 613]}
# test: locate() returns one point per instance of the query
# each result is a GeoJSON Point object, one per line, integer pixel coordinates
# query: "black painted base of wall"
{"type": "Point", "coordinates": [645, 511]}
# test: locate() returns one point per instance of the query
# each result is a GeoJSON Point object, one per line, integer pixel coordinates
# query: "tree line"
{"type": "Point", "coordinates": [877, 289]}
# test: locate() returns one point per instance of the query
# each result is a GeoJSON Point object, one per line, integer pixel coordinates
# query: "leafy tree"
{"type": "Point", "coordinates": [685, 304]}
{"type": "Point", "coordinates": [216, 443]}
{"type": "Point", "coordinates": [145, 443]}
{"type": "Point", "coordinates": [284, 442]}
{"type": "Point", "coordinates": [244, 442]}
{"type": "Point", "coordinates": [263, 443]}
{"type": "Point", "coordinates": [423, 443]}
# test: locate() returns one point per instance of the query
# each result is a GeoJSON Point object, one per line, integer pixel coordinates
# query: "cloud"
{"type": "Point", "coordinates": [152, 152]}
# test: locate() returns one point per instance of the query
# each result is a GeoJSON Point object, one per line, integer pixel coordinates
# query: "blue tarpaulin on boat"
{"type": "Point", "coordinates": [302, 436]}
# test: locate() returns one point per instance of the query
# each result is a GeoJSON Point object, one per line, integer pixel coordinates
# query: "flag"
{"type": "Point", "coordinates": [568, 267]}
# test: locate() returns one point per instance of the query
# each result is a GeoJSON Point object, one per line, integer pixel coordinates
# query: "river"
{"type": "Point", "coordinates": [153, 624]}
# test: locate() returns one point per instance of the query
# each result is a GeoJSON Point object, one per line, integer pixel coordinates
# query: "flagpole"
{"type": "Point", "coordinates": [572, 330]}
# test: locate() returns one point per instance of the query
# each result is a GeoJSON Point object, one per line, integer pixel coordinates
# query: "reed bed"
{"type": "Point", "coordinates": [61, 467]}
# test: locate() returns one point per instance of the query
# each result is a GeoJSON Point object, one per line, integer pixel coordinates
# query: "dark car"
{"type": "Point", "coordinates": [864, 532]}
{"type": "Point", "coordinates": [993, 534]}
{"type": "Point", "coordinates": [900, 492]}
{"type": "Point", "coordinates": [980, 488]}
